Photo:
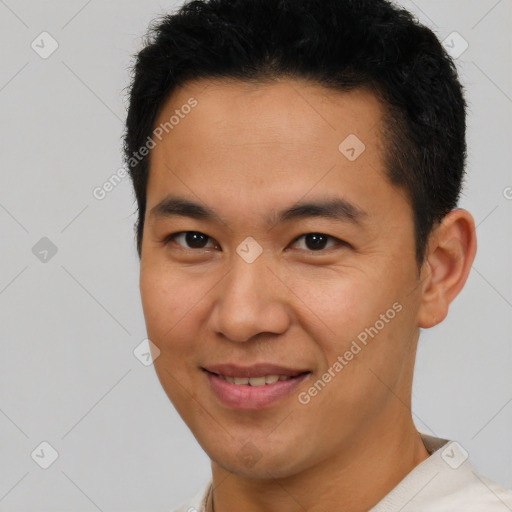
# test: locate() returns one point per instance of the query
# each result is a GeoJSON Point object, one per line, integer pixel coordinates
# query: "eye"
{"type": "Point", "coordinates": [313, 242]}
{"type": "Point", "coordinates": [316, 242]}
{"type": "Point", "coordinates": [194, 239]}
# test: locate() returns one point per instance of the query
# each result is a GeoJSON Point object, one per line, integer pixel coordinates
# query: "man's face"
{"type": "Point", "coordinates": [300, 293]}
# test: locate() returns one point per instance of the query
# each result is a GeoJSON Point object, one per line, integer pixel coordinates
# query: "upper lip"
{"type": "Point", "coordinates": [256, 370]}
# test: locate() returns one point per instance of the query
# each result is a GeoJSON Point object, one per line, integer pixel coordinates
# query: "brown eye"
{"type": "Point", "coordinates": [191, 239]}
{"type": "Point", "coordinates": [317, 242]}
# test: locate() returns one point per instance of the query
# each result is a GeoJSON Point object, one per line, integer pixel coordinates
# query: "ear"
{"type": "Point", "coordinates": [450, 254]}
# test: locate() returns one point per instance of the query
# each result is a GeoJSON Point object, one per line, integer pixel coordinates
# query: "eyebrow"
{"type": "Point", "coordinates": [336, 208]}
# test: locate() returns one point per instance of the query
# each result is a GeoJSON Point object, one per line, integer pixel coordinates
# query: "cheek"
{"type": "Point", "coordinates": [343, 304]}
{"type": "Point", "coordinates": [158, 300]}
{"type": "Point", "coordinates": [176, 307]}
{"type": "Point", "coordinates": [362, 370]}
{"type": "Point", "coordinates": [365, 317]}
{"type": "Point", "coordinates": [168, 307]}
{"type": "Point", "coordinates": [165, 300]}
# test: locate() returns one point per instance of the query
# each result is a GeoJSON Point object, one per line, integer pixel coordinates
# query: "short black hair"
{"type": "Point", "coordinates": [339, 44]}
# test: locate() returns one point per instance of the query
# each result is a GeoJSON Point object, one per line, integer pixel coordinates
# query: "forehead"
{"type": "Point", "coordinates": [282, 111]}
{"type": "Point", "coordinates": [243, 142]}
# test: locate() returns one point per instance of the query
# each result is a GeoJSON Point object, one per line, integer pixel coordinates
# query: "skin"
{"type": "Point", "coordinates": [248, 151]}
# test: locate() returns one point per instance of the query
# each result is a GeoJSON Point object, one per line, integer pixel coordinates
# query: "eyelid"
{"type": "Point", "coordinates": [329, 238]}
{"type": "Point", "coordinates": [170, 238]}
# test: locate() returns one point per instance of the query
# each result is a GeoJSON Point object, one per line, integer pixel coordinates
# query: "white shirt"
{"type": "Point", "coordinates": [445, 482]}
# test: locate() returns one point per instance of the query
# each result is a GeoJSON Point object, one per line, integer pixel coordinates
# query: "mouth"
{"type": "Point", "coordinates": [264, 380]}
{"type": "Point", "coordinates": [253, 388]}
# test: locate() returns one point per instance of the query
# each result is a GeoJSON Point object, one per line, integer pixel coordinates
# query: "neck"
{"type": "Point", "coordinates": [355, 480]}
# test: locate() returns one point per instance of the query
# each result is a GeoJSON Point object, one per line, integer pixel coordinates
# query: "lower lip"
{"type": "Point", "coordinates": [251, 397]}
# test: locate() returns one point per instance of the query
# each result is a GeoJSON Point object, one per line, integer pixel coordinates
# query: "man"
{"type": "Point", "coordinates": [297, 167]}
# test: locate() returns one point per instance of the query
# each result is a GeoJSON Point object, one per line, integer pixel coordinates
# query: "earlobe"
{"type": "Point", "coordinates": [450, 254]}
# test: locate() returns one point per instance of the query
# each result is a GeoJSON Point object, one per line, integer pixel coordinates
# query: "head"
{"type": "Point", "coordinates": [261, 113]}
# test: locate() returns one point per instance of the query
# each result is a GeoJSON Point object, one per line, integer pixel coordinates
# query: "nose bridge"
{"type": "Point", "coordinates": [250, 300]}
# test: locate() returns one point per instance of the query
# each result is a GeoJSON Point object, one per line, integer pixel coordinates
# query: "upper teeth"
{"type": "Point", "coordinates": [255, 381]}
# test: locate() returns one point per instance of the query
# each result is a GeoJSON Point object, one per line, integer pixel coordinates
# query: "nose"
{"type": "Point", "coordinates": [250, 300]}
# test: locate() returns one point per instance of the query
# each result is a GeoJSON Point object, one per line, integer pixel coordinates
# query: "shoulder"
{"type": "Point", "coordinates": [483, 491]}
{"type": "Point", "coordinates": [446, 482]}
{"type": "Point", "coordinates": [476, 494]}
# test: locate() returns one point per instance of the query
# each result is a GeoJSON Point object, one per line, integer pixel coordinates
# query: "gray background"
{"type": "Point", "coordinates": [69, 325]}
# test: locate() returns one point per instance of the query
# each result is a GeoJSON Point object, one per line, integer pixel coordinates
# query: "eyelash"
{"type": "Point", "coordinates": [171, 238]}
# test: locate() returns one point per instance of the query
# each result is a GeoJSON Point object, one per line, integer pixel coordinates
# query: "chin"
{"type": "Point", "coordinates": [249, 461]}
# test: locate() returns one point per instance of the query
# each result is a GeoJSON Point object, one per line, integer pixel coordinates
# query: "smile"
{"type": "Point", "coordinates": [254, 381]}
{"type": "Point", "coordinates": [252, 392]}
